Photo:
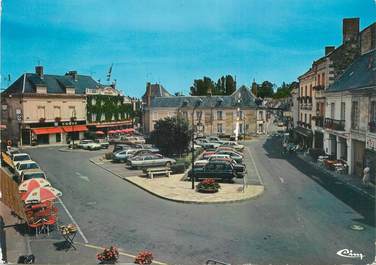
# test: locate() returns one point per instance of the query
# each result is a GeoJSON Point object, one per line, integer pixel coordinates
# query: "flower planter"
{"type": "Point", "coordinates": [202, 190]}
{"type": "Point", "coordinates": [208, 186]}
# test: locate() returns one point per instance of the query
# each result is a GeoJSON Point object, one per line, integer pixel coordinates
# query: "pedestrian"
{"type": "Point", "coordinates": [365, 175]}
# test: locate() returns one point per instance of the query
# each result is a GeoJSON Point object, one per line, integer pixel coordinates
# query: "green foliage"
{"type": "Point", "coordinates": [171, 135]}
{"type": "Point", "coordinates": [285, 90]}
{"type": "Point", "coordinates": [110, 107]}
{"type": "Point", "coordinates": [225, 85]}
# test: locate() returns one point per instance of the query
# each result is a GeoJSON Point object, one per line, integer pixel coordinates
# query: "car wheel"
{"type": "Point", "coordinates": [168, 164]}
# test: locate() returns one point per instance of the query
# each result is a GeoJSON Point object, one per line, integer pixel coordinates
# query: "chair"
{"type": "Point", "coordinates": [37, 226]}
{"type": "Point", "coordinates": [51, 221]}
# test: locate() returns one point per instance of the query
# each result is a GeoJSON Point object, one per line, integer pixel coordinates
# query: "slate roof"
{"type": "Point", "coordinates": [243, 94]}
{"type": "Point", "coordinates": [360, 74]}
{"type": "Point", "coordinates": [55, 84]}
{"type": "Point", "coordinates": [156, 90]}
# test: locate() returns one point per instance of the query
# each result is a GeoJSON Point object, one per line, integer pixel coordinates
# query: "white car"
{"type": "Point", "coordinates": [19, 157]}
{"type": "Point", "coordinates": [218, 156]}
{"type": "Point", "coordinates": [234, 145]}
{"type": "Point", "coordinates": [25, 165]}
{"type": "Point", "coordinates": [89, 145]}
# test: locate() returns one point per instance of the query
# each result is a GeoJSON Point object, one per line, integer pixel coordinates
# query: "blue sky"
{"type": "Point", "coordinates": [173, 42]}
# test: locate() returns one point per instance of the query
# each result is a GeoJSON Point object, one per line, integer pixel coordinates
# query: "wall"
{"type": "Point", "coordinates": [30, 107]}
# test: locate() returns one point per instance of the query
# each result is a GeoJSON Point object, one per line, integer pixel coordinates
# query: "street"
{"type": "Point", "coordinates": [302, 217]}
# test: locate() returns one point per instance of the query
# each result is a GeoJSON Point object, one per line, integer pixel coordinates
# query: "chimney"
{"type": "Point", "coordinates": [329, 49]}
{"type": "Point", "coordinates": [148, 93]}
{"type": "Point", "coordinates": [39, 71]}
{"type": "Point", "coordinates": [73, 74]}
{"type": "Point", "coordinates": [350, 29]}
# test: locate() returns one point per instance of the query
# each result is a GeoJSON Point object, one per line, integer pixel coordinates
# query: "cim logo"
{"type": "Point", "coordinates": [348, 253]}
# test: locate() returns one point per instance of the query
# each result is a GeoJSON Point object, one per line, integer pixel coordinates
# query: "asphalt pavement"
{"type": "Point", "coordinates": [302, 217]}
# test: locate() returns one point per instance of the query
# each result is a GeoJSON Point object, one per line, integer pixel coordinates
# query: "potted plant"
{"type": "Point", "coordinates": [108, 256]}
{"type": "Point", "coordinates": [42, 119]}
{"type": "Point", "coordinates": [208, 186]}
{"type": "Point", "coordinates": [144, 258]}
{"type": "Point", "coordinates": [57, 119]}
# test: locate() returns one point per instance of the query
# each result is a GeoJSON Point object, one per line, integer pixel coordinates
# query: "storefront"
{"type": "Point", "coordinates": [52, 132]}
{"type": "Point", "coordinates": [319, 140]}
{"type": "Point", "coordinates": [304, 137]}
{"type": "Point", "coordinates": [370, 156]}
{"type": "Point", "coordinates": [108, 126]}
{"type": "Point", "coordinates": [359, 157]}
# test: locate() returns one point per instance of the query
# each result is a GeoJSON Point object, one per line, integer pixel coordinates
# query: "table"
{"type": "Point", "coordinates": [69, 237]}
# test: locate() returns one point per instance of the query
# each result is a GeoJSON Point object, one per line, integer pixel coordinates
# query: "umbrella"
{"type": "Point", "coordinates": [99, 132]}
{"type": "Point", "coordinates": [111, 131]}
{"type": "Point", "coordinates": [31, 184]}
{"type": "Point", "coordinates": [41, 194]}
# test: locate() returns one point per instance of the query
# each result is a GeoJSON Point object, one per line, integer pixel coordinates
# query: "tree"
{"type": "Point", "coordinates": [201, 87]}
{"type": "Point", "coordinates": [265, 90]}
{"type": "Point", "coordinates": [171, 135]}
{"type": "Point", "coordinates": [285, 90]}
{"type": "Point", "coordinates": [230, 85]}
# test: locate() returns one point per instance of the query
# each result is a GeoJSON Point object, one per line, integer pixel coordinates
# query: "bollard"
{"type": "Point", "coordinates": [3, 240]}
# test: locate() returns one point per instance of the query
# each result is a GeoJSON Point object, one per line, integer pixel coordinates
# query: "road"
{"type": "Point", "coordinates": [302, 217]}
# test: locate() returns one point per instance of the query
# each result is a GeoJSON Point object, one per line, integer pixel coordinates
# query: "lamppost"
{"type": "Point", "coordinates": [197, 104]}
{"type": "Point", "coordinates": [73, 119]}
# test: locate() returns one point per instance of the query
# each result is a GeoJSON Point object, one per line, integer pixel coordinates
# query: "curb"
{"type": "Point", "coordinates": [176, 200]}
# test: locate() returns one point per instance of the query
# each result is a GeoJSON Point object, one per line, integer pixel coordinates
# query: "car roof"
{"type": "Point", "coordinates": [27, 162]}
{"type": "Point", "coordinates": [18, 154]}
{"type": "Point", "coordinates": [32, 171]}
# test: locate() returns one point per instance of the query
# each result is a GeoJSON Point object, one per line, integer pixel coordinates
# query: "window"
{"type": "Point", "coordinates": [57, 112]}
{"type": "Point", "coordinates": [41, 112]}
{"type": "Point", "coordinates": [155, 116]}
{"type": "Point", "coordinates": [301, 116]}
{"type": "Point", "coordinates": [219, 128]}
{"type": "Point", "coordinates": [318, 79]}
{"type": "Point", "coordinates": [305, 118]}
{"type": "Point", "coordinates": [310, 90]}
{"type": "Point", "coordinates": [310, 119]}
{"type": "Point", "coordinates": [240, 128]}
{"type": "Point", "coordinates": [373, 111]}
{"type": "Point", "coordinates": [323, 79]}
{"type": "Point", "coordinates": [219, 115]}
{"type": "Point", "coordinates": [343, 105]}
{"type": "Point", "coordinates": [72, 111]}
{"type": "Point", "coordinates": [355, 115]}
{"type": "Point", "coordinates": [198, 115]}
{"type": "Point", "coordinates": [185, 115]}
{"type": "Point", "coordinates": [306, 94]}
{"type": "Point", "coordinates": [332, 110]}
{"type": "Point", "coordinates": [241, 114]}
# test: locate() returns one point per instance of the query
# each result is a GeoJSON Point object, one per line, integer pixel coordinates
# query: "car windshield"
{"type": "Point", "coordinates": [28, 166]}
{"type": "Point", "coordinates": [21, 158]}
{"type": "Point", "coordinates": [34, 176]}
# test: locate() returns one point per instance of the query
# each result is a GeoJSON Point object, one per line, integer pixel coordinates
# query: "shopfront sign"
{"type": "Point", "coordinates": [371, 143]}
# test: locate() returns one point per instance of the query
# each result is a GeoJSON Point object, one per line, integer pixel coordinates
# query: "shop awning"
{"type": "Point", "coordinates": [75, 128]}
{"type": "Point", "coordinates": [50, 130]}
{"type": "Point", "coordinates": [303, 131]}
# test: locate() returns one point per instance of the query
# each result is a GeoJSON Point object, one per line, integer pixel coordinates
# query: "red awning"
{"type": "Point", "coordinates": [129, 130]}
{"type": "Point", "coordinates": [99, 132]}
{"type": "Point", "coordinates": [47, 130]}
{"type": "Point", "coordinates": [111, 131]}
{"type": "Point", "coordinates": [75, 128]}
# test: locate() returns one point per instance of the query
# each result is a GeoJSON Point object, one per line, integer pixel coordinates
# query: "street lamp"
{"type": "Point", "coordinates": [73, 118]}
{"type": "Point", "coordinates": [197, 104]}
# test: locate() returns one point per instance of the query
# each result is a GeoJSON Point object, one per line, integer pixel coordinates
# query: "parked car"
{"type": "Point", "coordinates": [239, 168]}
{"type": "Point", "coordinates": [206, 144]}
{"type": "Point", "coordinates": [140, 152]}
{"type": "Point", "coordinates": [150, 161]}
{"type": "Point", "coordinates": [207, 154]}
{"type": "Point", "coordinates": [123, 155]}
{"type": "Point", "coordinates": [236, 156]}
{"type": "Point", "coordinates": [218, 170]}
{"type": "Point", "coordinates": [31, 174]}
{"type": "Point", "coordinates": [224, 148]}
{"type": "Point", "coordinates": [89, 145]}
{"type": "Point", "coordinates": [134, 140]}
{"type": "Point", "coordinates": [103, 142]}
{"type": "Point", "coordinates": [214, 156]}
{"type": "Point", "coordinates": [11, 159]}
{"type": "Point", "coordinates": [25, 165]}
{"type": "Point", "coordinates": [234, 145]}
{"type": "Point", "coordinates": [120, 147]}
{"type": "Point", "coordinates": [214, 139]}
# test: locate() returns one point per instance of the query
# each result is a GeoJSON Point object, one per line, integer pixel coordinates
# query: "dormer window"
{"type": "Point", "coordinates": [70, 90]}
{"type": "Point", "coordinates": [41, 89]}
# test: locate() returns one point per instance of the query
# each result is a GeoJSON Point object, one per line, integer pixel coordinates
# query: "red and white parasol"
{"type": "Point", "coordinates": [41, 194]}
{"type": "Point", "coordinates": [31, 184]}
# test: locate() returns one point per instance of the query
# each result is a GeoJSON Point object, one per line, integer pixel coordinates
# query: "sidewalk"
{"type": "Point", "coordinates": [353, 181]}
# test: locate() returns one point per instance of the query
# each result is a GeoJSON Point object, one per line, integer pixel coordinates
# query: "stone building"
{"type": "Point", "coordinates": [215, 115]}
{"type": "Point", "coordinates": [323, 73]}
{"type": "Point", "coordinates": [350, 116]}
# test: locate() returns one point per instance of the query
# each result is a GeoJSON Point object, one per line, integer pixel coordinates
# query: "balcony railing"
{"type": "Point", "coordinates": [338, 125]}
{"type": "Point", "coordinates": [319, 121]}
{"type": "Point", "coordinates": [372, 126]}
{"type": "Point", "coordinates": [318, 87]}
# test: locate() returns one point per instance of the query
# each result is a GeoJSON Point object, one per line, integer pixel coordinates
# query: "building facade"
{"type": "Point", "coordinates": [41, 108]}
{"type": "Point", "coordinates": [215, 115]}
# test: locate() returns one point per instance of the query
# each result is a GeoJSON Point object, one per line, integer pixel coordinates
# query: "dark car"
{"type": "Point", "coordinates": [218, 170]}
{"type": "Point", "coordinates": [239, 168]}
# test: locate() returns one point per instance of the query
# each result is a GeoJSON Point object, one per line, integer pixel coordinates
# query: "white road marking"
{"type": "Point", "coordinates": [73, 221]}
{"type": "Point", "coordinates": [254, 164]}
{"type": "Point", "coordinates": [281, 179]}
{"type": "Point", "coordinates": [82, 176]}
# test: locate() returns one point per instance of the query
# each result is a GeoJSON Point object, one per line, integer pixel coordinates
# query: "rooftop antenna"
{"type": "Point", "coordinates": [109, 73]}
